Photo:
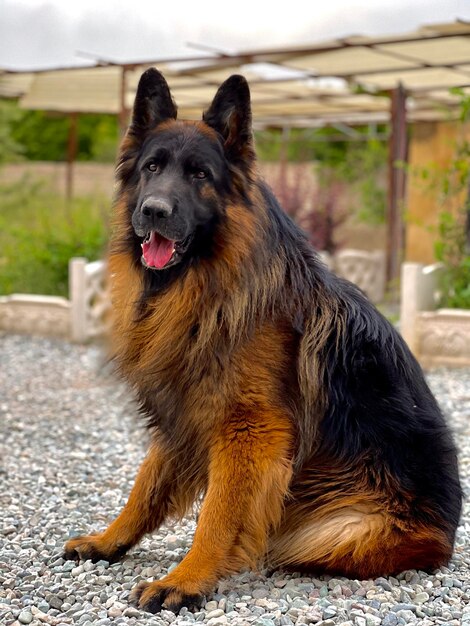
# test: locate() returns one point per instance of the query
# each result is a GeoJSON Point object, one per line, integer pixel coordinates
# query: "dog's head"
{"type": "Point", "coordinates": [178, 176]}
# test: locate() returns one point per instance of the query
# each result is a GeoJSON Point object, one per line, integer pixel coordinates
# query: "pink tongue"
{"type": "Point", "coordinates": [158, 250]}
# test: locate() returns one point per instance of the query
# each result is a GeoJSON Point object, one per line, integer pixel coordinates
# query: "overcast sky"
{"type": "Point", "coordinates": [49, 33]}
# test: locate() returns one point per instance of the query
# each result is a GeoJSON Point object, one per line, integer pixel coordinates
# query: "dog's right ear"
{"type": "Point", "coordinates": [153, 103]}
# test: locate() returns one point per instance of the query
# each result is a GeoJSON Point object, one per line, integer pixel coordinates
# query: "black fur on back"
{"type": "Point", "coordinates": [378, 407]}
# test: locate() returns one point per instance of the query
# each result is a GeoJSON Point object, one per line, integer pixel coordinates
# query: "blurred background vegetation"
{"type": "Point", "coordinates": [42, 136]}
{"type": "Point", "coordinates": [325, 178]}
{"type": "Point", "coordinates": [40, 230]}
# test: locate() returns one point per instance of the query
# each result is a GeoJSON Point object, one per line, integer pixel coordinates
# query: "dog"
{"type": "Point", "coordinates": [269, 385]}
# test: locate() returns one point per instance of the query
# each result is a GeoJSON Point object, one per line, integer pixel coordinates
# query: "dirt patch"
{"type": "Point", "coordinates": [88, 178]}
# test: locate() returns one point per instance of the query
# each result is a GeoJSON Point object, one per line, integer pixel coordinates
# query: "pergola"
{"type": "Point", "coordinates": [354, 80]}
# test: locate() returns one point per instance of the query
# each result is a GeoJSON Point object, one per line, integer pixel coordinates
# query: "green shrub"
{"type": "Point", "coordinates": [364, 168]}
{"type": "Point", "coordinates": [43, 136]}
{"type": "Point", "coordinates": [40, 231]}
{"type": "Point", "coordinates": [10, 149]}
{"type": "Point", "coordinates": [452, 247]}
{"type": "Point", "coordinates": [450, 185]}
{"type": "Point", "coordinates": [358, 165]}
{"type": "Point", "coordinates": [451, 250]}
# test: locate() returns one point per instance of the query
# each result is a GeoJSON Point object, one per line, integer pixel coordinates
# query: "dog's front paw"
{"type": "Point", "coordinates": [154, 596]}
{"type": "Point", "coordinates": [94, 547]}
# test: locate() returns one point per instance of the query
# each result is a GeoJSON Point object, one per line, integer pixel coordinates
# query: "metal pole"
{"type": "Point", "coordinates": [398, 154]}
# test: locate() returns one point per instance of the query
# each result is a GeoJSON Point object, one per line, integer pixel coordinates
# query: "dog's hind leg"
{"type": "Point", "coordinates": [357, 539]}
{"type": "Point", "coordinates": [149, 503]}
{"type": "Point", "coordinates": [249, 474]}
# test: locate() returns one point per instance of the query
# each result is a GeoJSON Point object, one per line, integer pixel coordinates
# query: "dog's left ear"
{"type": "Point", "coordinates": [230, 116]}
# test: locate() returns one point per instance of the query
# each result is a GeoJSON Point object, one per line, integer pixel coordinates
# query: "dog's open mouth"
{"type": "Point", "coordinates": [158, 252]}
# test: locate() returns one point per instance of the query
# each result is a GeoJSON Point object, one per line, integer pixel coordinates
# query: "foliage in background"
{"type": "Point", "coordinates": [452, 188]}
{"type": "Point", "coordinates": [453, 245]}
{"type": "Point", "coordinates": [42, 136]}
{"type": "Point", "coordinates": [10, 149]}
{"type": "Point", "coordinates": [40, 232]}
{"type": "Point", "coordinates": [360, 164]}
{"type": "Point", "coordinates": [300, 145]}
{"type": "Point", "coordinates": [364, 169]}
{"type": "Point", "coordinates": [317, 209]}
{"type": "Point", "coordinates": [451, 249]}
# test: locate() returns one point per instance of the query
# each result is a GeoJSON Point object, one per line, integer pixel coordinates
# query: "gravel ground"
{"type": "Point", "coordinates": [71, 448]}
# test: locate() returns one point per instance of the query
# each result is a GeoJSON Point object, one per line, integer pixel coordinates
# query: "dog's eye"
{"type": "Point", "coordinates": [153, 167]}
{"type": "Point", "coordinates": [200, 174]}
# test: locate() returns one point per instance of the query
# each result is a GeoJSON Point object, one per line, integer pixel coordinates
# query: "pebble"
{"type": "Point", "coordinates": [383, 582]}
{"type": "Point", "coordinates": [214, 613]}
{"type": "Point", "coordinates": [25, 617]}
{"type": "Point", "coordinates": [114, 611]}
{"type": "Point", "coordinates": [403, 607]}
{"type": "Point", "coordinates": [131, 612]}
{"type": "Point", "coordinates": [264, 621]}
{"type": "Point", "coordinates": [148, 572]}
{"type": "Point", "coordinates": [172, 542]}
{"type": "Point", "coordinates": [73, 448]}
{"type": "Point", "coordinates": [406, 615]}
{"type": "Point", "coordinates": [54, 601]}
{"type": "Point", "coordinates": [217, 621]}
{"type": "Point", "coordinates": [421, 597]}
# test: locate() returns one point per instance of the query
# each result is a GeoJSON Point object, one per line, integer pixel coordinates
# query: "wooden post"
{"type": "Point", "coordinates": [283, 161]}
{"type": "Point", "coordinates": [123, 115]}
{"type": "Point", "coordinates": [72, 145]}
{"type": "Point", "coordinates": [398, 152]}
{"type": "Point", "coordinates": [467, 220]}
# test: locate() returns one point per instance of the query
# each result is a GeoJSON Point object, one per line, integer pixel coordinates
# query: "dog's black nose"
{"type": "Point", "coordinates": [156, 208]}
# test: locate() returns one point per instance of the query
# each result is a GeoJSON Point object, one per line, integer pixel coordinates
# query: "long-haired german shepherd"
{"type": "Point", "coordinates": [269, 385]}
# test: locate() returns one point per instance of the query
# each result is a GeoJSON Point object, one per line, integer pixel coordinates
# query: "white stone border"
{"type": "Point", "coordinates": [84, 316]}
{"type": "Point", "coordinates": [48, 316]}
{"type": "Point", "coordinates": [437, 337]}
{"type": "Point", "coordinates": [89, 297]}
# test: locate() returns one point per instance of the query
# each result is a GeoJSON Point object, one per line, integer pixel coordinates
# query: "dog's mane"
{"type": "Point", "coordinates": [258, 255]}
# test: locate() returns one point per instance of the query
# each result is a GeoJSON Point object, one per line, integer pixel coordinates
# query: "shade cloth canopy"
{"type": "Point", "coordinates": [343, 80]}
